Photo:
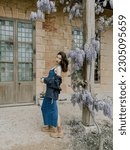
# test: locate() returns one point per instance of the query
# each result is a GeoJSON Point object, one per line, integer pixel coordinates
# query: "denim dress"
{"type": "Point", "coordinates": [49, 108]}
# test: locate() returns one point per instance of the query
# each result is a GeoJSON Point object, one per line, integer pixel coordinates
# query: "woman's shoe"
{"type": "Point", "coordinates": [60, 132]}
{"type": "Point", "coordinates": [46, 129]}
{"type": "Point", "coordinates": [57, 133]}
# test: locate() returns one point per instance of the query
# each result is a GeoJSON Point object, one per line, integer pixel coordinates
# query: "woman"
{"type": "Point", "coordinates": [49, 107]}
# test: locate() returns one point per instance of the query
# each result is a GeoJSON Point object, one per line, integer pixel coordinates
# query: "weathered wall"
{"type": "Point", "coordinates": [105, 87]}
{"type": "Point", "coordinates": [17, 9]}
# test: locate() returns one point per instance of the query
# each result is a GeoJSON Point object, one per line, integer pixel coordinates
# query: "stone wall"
{"type": "Point", "coordinates": [105, 87]}
{"type": "Point", "coordinates": [17, 9]}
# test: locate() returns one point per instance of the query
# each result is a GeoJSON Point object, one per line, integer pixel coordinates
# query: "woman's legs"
{"type": "Point", "coordinates": [59, 133]}
{"type": "Point", "coordinates": [59, 120]}
{"type": "Point", "coordinates": [50, 115]}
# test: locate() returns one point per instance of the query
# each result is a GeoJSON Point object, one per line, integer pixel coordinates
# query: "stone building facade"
{"type": "Point", "coordinates": [45, 38]}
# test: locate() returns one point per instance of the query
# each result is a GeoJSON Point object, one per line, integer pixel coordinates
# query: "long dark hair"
{"type": "Point", "coordinates": [64, 61]}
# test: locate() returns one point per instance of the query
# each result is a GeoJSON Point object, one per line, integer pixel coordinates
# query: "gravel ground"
{"type": "Point", "coordinates": [20, 129]}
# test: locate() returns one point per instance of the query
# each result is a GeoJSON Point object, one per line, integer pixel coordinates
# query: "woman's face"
{"type": "Point", "coordinates": [58, 59]}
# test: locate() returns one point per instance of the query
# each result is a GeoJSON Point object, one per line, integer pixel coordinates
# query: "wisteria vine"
{"type": "Point", "coordinates": [73, 7]}
{"type": "Point", "coordinates": [77, 55]}
{"type": "Point", "coordinates": [84, 97]}
{"type": "Point", "coordinates": [81, 95]}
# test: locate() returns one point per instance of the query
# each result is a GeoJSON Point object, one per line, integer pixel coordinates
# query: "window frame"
{"type": "Point", "coordinates": [15, 42]}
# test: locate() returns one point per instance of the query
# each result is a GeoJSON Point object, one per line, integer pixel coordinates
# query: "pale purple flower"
{"type": "Point", "coordinates": [105, 3]}
{"type": "Point", "coordinates": [77, 56]}
{"type": "Point", "coordinates": [87, 98]}
{"type": "Point", "coordinates": [33, 16]}
{"type": "Point", "coordinates": [62, 1]}
{"type": "Point", "coordinates": [76, 98]}
{"type": "Point", "coordinates": [96, 44]}
{"type": "Point", "coordinates": [107, 110]}
{"type": "Point", "coordinates": [90, 52]}
{"type": "Point", "coordinates": [64, 9]}
{"type": "Point", "coordinates": [111, 3]}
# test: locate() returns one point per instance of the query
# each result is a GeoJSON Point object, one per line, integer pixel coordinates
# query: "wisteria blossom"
{"type": "Point", "coordinates": [102, 23]}
{"type": "Point", "coordinates": [100, 5]}
{"type": "Point", "coordinates": [90, 51]}
{"type": "Point", "coordinates": [85, 97]}
{"type": "Point", "coordinates": [73, 8]}
{"type": "Point", "coordinates": [43, 6]}
{"type": "Point", "coordinates": [77, 57]}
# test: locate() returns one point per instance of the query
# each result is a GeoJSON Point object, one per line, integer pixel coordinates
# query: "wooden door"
{"type": "Point", "coordinates": [24, 57]}
{"type": "Point", "coordinates": [16, 62]}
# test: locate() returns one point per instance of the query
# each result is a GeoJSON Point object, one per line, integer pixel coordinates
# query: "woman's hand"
{"type": "Point", "coordinates": [42, 80]}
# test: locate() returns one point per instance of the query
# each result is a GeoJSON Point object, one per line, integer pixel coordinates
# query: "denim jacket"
{"type": "Point", "coordinates": [53, 86]}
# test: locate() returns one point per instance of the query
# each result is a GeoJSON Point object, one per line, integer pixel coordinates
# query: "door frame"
{"type": "Point", "coordinates": [15, 61]}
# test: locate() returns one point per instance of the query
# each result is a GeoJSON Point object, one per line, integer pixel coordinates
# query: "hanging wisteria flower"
{"type": "Point", "coordinates": [105, 3]}
{"type": "Point", "coordinates": [105, 106]}
{"type": "Point", "coordinates": [99, 9]}
{"type": "Point", "coordinates": [62, 1]}
{"type": "Point", "coordinates": [111, 3]}
{"type": "Point", "coordinates": [78, 13]}
{"type": "Point", "coordinates": [90, 52]}
{"type": "Point", "coordinates": [107, 110]}
{"type": "Point", "coordinates": [36, 15]}
{"type": "Point", "coordinates": [43, 6]}
{"type": "Point", "coordinates": [52, 5]}
{"type": "Point", "coordinates": [95, 44]}
{"type": "Point", "coordinates": [76, 98]}
{"type": "Point", "coordinates": [33, 16]}
{"type": "Point", "coordinates": [68, 8]}
{"type": "Point", "coordinates": [87, 98]}
{"type": "Point", "coordinates": [77, 57]}
{"type": "Point", "coordinates": [78, 10]}
{"type": "Point", "coordinates": [102, 23]}
{"type": "Point", "coordinates": [39, 14]}
{"type": "Point", "coordinates": [84, 97]}
{"type": "Point", "coordinates": [74, 10]}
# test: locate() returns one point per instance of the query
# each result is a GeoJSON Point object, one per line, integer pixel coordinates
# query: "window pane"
{"type": "Point", "coordinates": [25, 51]}
{"type": "Point", "coordinates": [6, 72]}
{"type": "Point", "coordinates": [6, 52]}
{"type": "Point", "coordinates": [6, 30]}
{"type": "Point", "coordinates": [24, 32]}
{"type": "Point", "coordinates": [77, 38]}
{"type": "Point", "coordinates": [25, 72]}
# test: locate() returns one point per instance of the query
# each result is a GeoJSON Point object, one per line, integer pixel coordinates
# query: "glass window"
{"type": "Point", "coordinates": [6, 50]}
{"type": "Point", "coordinates": [25, 51]}
{"type": "Point", "coordinates": [6, 30]}
{"type": "Point", "coordinates": [77, 38]}
{"type": "Point", "coordinates": [25, 71]}
{"type": "Point", "coordinates": [6, 72]}
{"type": "Point", "coordinates": [9, 43]}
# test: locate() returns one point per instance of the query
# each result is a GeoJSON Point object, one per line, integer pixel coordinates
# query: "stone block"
{"type": "Point", "coordinates": [2, 11]}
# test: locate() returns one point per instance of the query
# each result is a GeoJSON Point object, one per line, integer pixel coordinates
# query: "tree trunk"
{"type": "Point", "coordinates": [88, 69]}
